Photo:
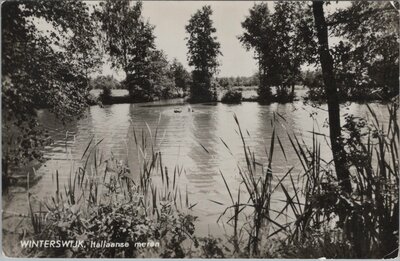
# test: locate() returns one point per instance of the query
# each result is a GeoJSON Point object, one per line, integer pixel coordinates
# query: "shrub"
{"type": "Point", "coordinates": [105, 94]}
{"type": "Point", "coordinates": [92, 100]}
{"type": "Point", "coordinates": [232, 96]}
{"type": "Point", "coordinates": [106, 84]}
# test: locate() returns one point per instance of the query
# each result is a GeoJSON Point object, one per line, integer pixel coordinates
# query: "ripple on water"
{"type": "Point", "coordinates": [179, 136]}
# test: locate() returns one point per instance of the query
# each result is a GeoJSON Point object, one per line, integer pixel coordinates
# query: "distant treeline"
{"type": "Point", "coordinates": [172, 81]}
{"type": "Point", "coordinates": [53, 68]}
{"type": "Point", "coordinates": [226, 82]}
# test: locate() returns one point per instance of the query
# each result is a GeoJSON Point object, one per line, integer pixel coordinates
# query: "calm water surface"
{"type": "Point", "coordinates": [180, 136]}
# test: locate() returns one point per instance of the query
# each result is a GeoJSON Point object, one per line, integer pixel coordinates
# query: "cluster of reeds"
{"type": "Point", "coordinates": [373, 211]}
{"type": "Point", "coordinates": [100, 184]}
{"type": "Point", "coordinates": [257, 181]}
{"type": "Point", "coordinates": [155, 182]}
{"type": "Point", "coordinates": [368, 217]}
{"type": "Point", "coordinates": [322, 220]}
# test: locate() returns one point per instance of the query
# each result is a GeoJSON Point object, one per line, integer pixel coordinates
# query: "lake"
{"type": "Point", "coordinates": [182, 136]}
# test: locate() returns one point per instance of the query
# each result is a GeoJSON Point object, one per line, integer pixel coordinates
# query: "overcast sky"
{"type": "Point", "coordinates": [170, 18]}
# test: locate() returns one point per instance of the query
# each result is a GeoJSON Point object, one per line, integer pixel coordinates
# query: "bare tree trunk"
{"type": "Point", "coordinates": [326, 60]}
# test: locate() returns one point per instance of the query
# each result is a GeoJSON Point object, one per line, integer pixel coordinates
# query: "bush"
{"type": "Point", "coordinates": [106, 84]}
{"type": "Point", "coordinates": [232, 96]}
{"type": "Point", "coordinates": [106, 94]}
{"type": "Point", "coordinates": [92, 100]}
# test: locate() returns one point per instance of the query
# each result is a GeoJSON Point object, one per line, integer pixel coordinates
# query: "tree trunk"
{"type": "Point", "coordinates": [292, 93]}
{"type": "Point", "coordinates": [339, 155]}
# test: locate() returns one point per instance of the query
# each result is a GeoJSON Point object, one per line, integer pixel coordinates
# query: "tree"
{"type": "Point", "coordinates": [39, 70]}
{"type": "Point", "coordinates": [326, 60]}
{"type": "Point", "coordinates": [281, 44]}
{"type": "Point", "coordinates": [372, 30]}
{"type": "Point", "coordinates": [367, 60]}
{"type": "Point", "coordinates": [294, 44]}
{"type": "Point", "coordinates": [102, 81]}
{"type": "Point", "coordinates": [203, 51]}
{"type": "Point", "coordinates": [257, 36]}
{"type": "Point", "coordinates": [84, 48]}
{"type": "Point", "coordinates": [161, 76]}
{"type": "Point", "coordinates": [181, 75]}
{"type": "Point", "coordinates": [129, 40]}
{"type": "Point", "coordinates": [366, 57]}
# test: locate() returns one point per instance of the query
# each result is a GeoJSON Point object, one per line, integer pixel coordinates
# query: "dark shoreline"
{"type": "Point", "coordinates": [128, 100]}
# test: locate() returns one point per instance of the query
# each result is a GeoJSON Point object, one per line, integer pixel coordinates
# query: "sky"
{"type": "Point", "coordinates": [170, 18]}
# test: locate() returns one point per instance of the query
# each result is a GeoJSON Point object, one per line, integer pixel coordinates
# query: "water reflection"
{"type": "Point", "coordinates": [180, 131]}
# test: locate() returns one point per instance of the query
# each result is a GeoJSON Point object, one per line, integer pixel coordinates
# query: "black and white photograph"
{"type": "Point", "coordinates": [200, 129]}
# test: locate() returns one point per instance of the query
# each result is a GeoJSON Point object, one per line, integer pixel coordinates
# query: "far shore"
{"type": "Point", "coordinates": [249, 94]}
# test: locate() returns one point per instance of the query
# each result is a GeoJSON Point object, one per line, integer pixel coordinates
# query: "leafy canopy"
{"type": "Point", "coordinates": [203, 51]}
{"type": "Point", "coordinates": [203, 47]}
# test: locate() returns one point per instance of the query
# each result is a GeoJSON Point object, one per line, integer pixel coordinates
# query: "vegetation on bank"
{"type": "Point", "coordinates": [364, 64]}
{"type": "Point", "coordinates": [203, 51]}
{"type": "Point", "coordinates": [52, 70]}
{"type": "Point", "coordinates": [232, 96]}
{"type": "Point", "coordinates": [285, 40]}
{"type": "Point", "coordinates": [42, 70]}
{"type": "Point", "coordinates": [103, 201]}
{"type": "Point", "coordinates": [288, 38]}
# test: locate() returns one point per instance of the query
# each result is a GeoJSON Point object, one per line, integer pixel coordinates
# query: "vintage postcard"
{"type": "Point", "coordinates": [200, 129]}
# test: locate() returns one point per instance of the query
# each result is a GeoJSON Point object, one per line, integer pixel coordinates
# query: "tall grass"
{"type": "Point", "coordinates": [155, 182]}
{"type": "Point", "coordinates": [257, 181]}
{"type": "Point", "coordinates": [368, 225]}
{"type": "Point", "coordinates": [100, 184]}
{"type": "Point", "coordinates": [322, 221]}
{"type": "Point", "coordinates": [313, 201]}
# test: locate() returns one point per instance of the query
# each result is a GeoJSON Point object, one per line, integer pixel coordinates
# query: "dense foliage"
{"type": "Point", "coordinates": [231, 96]}
{"type": "Point", "coordinates": [182, 77]}
{"type": "Point", "coordinates": [281, 42]}
{"type": "Point", "coordinates": [365, 54]}
{"type": "Point", "coordinates": [42, 69]}
{"type": "Point", "coordinates": [367, 60]}
{"type": "Point", "coordinates": [129, 41]}
{"type": "Point", "coordinates": [203, 51]}
{"type": "Point", "coordinates": [101, 81]}
{"type": "Point", "coordinates": [106, 84]}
